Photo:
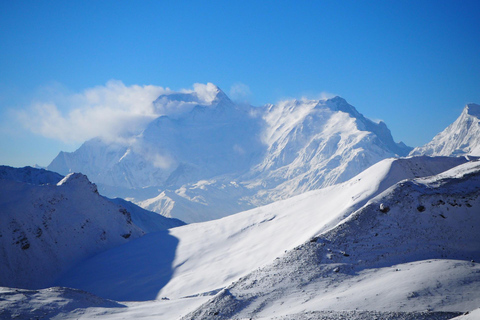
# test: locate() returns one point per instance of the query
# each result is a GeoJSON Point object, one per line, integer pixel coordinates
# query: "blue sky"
{"type": "Point", "coordinates": [413, 64]}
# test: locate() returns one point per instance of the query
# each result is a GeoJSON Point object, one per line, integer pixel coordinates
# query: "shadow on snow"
{"type": "Point", "coordinates": [135, 271]}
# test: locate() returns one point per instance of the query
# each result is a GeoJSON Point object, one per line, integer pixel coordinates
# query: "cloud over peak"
{"type": "Point", "coordinates": [113, 111]}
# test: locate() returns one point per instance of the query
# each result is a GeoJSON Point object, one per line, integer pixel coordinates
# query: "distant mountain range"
{"type": "Point", "coordinates": [216, 157]}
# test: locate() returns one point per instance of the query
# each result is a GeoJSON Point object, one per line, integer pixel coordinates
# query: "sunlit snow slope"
{"type": "Point", "coordinates": [377, 246]}
{"type": "Point", "coordinates": [205, 257]}
{"type": "Point", "coordinates": [411, 248]}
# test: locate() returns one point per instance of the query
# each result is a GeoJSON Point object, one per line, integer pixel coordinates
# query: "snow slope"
{"type": "Point", "coordinates": [49, 223]}
{"type": "Point", "coordinates": [65, 303]}
{"type": "Point", "coordinates": [411, 248]}
{"type": "Point", "coordinates": [213, 158]}
{"type": "Point", "coordinates": [45, 229]}
{"type": "Point", "coordinates": [462, 137]}
{"type": "Point", "coordinates": [472, 315]}
{"type": "Point", "coordinates": [205, 257]}
{"type": "Point", "coordinates": [51, 303]}
{"type": "Point", "coordinates": [338, 253]}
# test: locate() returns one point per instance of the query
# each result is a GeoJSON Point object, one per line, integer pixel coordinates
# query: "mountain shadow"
{"type": "Point", "coordinates": [136, 271]}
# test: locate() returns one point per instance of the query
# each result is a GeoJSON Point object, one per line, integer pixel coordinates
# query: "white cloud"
{"type": "Point", "coordinates": [205, 92]}
{"type": "Point", "coordinates": [113, 112]}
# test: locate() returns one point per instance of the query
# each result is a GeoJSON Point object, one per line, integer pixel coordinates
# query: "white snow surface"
{"type": "Point", "coordinates": [462, 137]}
{"type": "Point", "coordinates": [65, 303]}
{"type": "Point", "coordinates": [398, 241]}
{"type": "Point", "coordinates": [214, 158]}
{"type": "Point", "coordinates": [204, 257]}
{"type": "Point", "coordinates": [411, 248]}
{"type": "Point", "coordinates": [472, 315]}
{"type": "Point", "coordinates": [46, 229]}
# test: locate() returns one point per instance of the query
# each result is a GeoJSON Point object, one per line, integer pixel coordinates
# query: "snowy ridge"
{"type": "Point", "coordinates": [462, 137]}
{"type": "Point", "coordinates": [208, 157]}
{"type": "Point", "coordinates": [240, 243]}
{"type": "Point", "coordinates": [313, 144]}
{"type": "Point", "coordinates": [29, 175]}
{"type": "Point", "coordinates": [411, 248]}
{"type": "Point", "coordinates": [146, 220]}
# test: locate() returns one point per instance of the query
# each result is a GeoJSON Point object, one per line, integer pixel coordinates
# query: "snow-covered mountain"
{"type": "Point", "coordinates": [49, 223]}
{"type": "Point", "coordinates": [209, 256]}
{"type": "Point", "coordinates": [411, 248]}
{"type": "Point", "coordinates": [462, 137]}
{"type": "Point", "coordinates": [398, 241]}
{"type": "Point", "coordinates": [214, 157]}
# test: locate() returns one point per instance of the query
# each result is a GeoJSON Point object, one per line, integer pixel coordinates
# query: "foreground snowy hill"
{"type": "Point", "coordinates": [411, 248]}
{"type": "Point", "coordinates": [201, 258]}
{"type": "Point", "coordinates": [49, 223]}
{"type": "Point", "coordinates": [212, 158]}
{"type": "Point", "coordinates": [46, 229]}
{"type": "Point", "coordinates": [377, 246]}
{"type": "Point", "coordinates": [462, 137]}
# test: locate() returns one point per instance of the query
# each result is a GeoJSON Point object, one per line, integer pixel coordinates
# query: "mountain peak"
{"type": "Point", "coordinates": [341, 104]}
{"type": "Point", "coordinates": [472, 109]}
{"type": "Point", "coordinates": [462, 137]}
{"type": "Point", "coordinates": [210, 94]}
{"type": "Point", "coordinates": [76, 179]}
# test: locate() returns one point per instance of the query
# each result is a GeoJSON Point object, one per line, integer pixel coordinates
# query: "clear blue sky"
{"type": "Point", "coordinates": [413, 64]}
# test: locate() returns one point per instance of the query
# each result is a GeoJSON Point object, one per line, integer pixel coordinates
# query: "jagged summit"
{"type": "Point", "coordinates": [380, 128]}
{"type": "Point", "coordinates": [340, 104]}
{"type": "Point", "coordinates": [77, 180]}
{"type": "Point", "coordinates": [473, 109]}
{"type": "Point", "coordinates": [462, 137]}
